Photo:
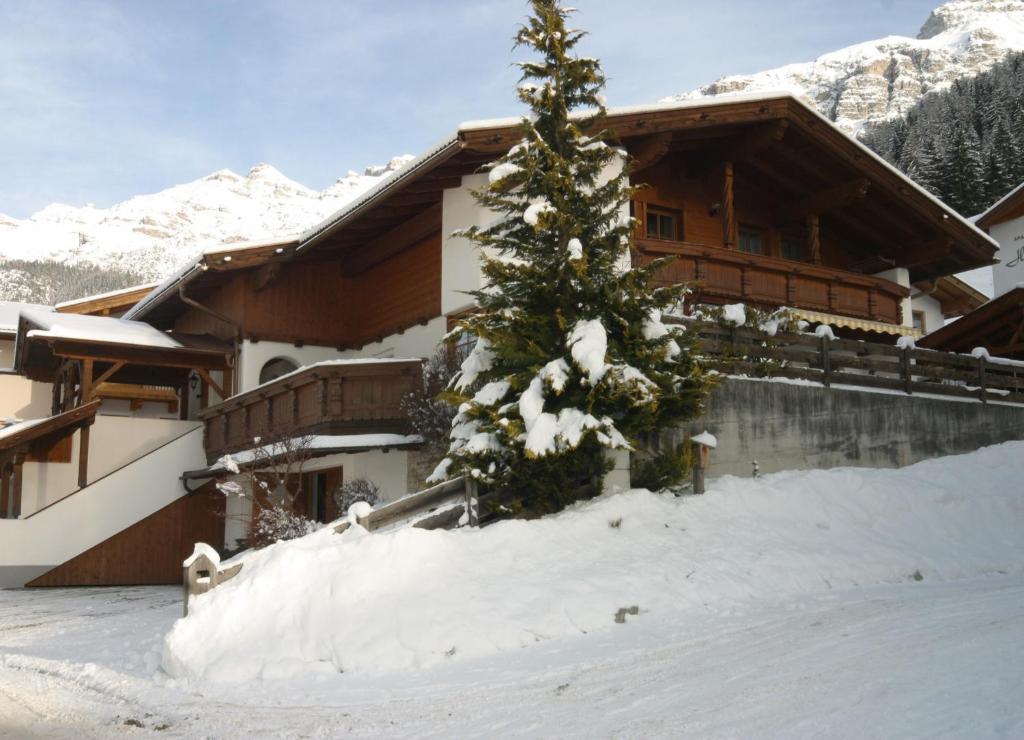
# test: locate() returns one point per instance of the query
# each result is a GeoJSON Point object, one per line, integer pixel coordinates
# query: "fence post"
{"type": "Point", "coordinates": [908, 381]}
{"type": "Point", "coordinates": [982, 393]}
{"type": "Point", "coordinates": [472, 502]}
{"type": "Point", "coordinates": [698, 467]}
{"type": "Point", "coordinates": [826, 362]}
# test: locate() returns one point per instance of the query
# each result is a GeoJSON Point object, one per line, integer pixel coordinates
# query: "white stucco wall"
{"type": "Point", "coordinates": [254, 355]}
{"type": "Point", "coordinates": [460, 263]}
{"type": "Point", "coordinates": [933, 318]}
{"type": "Point", "coordinates": [6, 352]}
{"type": "Point", "coordinates": [417, 341]}
{"type": "Point", "coordinates": [1009, 273]}
{"type": "Point", "coordinates": [30, 547]}
{"type": "Point", "coordinates": [901, 276]}
{"type": "Point", "coordinates": [113, 442]}
{"type": "Point", "coordinates": [23, 398]}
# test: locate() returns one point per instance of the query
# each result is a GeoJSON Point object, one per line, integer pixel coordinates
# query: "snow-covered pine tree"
{"type": "Point", "coordinates": [572, 358]}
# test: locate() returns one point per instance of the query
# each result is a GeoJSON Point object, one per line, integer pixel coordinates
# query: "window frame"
{"type": "Point", "coordinates": [762, 242]}
{"type": "Point", "coordinates": [660, 211]}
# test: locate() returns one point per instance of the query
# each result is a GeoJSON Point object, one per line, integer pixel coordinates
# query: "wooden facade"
{"type": "Point", "coordinates": [325, 399]}
{"type": "Point", "coordinates": [150, 551]}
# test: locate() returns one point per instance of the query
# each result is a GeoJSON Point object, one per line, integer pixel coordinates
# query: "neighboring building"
{"type": "Point", "coordinates": [1004, 222]}
{"type": "Point", "coordinates": [998, 325]}
{"type": "Point", "coordinates": [760, 199]}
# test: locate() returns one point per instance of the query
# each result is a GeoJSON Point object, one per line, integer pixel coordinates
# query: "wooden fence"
{"type": "Point", "coordinates": [454, 503]}
{"type": "Point", "coordinates": [744, 351]}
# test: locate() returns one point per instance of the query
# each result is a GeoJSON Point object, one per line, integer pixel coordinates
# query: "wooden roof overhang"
{"type": "Point", "coordinates": [776, 140]}
{"type": "Point", "coordinates": [107, 304]}
{"type": "Point", "coordinates": [209, 272]}
{"type": "Point", "coordinates": [809, 165]}
{"type": "Point", "coordinates": [37, 438]}
{"type": "Point", "coordinates": [40, 358]}
{"type": "Point", "coordinates": [1008, 207]}
{"type": "Point", "coordinates": [998, 326]}
{"type": "Point", "coordinates": [955, 297]}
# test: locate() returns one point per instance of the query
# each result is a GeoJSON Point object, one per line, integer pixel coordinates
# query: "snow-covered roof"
{"type": "Point", "coordinates": [314, 445]}
{"type": "Point", "coordinates": [445, 147]}
{"type": "Point", "coordinates": [54, 325]}
{"type": "Point", "coordinates": [108, 294]}
{"type": "Point", "coordinates": [1016, 194]}
{"type": "Point", "coordinates": [197, 265]}
{"type": "Point", "coordinates": [10, 311]}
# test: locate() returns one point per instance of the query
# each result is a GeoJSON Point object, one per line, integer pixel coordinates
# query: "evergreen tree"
{"type": "Point", "coordinates": [572, 359]}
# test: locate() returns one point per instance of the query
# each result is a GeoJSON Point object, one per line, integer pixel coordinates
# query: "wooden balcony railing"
{"type": "Point", "coordinates": [732, 275]}
{"type": "Point", "coordinates": [344, 397]}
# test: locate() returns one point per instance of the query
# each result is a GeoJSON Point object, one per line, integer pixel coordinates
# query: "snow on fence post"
{"type": "Point", "coordinates": [908, 378]}
{"type": "Point", "coordinates": [472, 502]}
{"type": "Point", "coordinates": [201, 572]}
{"type": "Point", "coordinates": [826, 361]}
{"type": "Point", "coordinates": [702, 443]}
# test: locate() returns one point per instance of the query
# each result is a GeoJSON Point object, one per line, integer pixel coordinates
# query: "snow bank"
{"type": "Point", "coordinates": [373, 603]}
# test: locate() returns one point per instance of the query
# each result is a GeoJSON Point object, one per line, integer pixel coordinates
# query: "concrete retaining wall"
{"type": "Point", "coordinates": [791, 427]}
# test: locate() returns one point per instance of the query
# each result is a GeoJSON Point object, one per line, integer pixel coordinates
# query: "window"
{"type": "Point", "coordinates": [794, 248]}
{"type": "Point", "coordinates": [663, 224]}
{"type": "Point", "coordinates": [275, 368]}
{"type": "Point", "coordinates": [751, 240]}
{"type": "Point", "coordinates": [919, 322]}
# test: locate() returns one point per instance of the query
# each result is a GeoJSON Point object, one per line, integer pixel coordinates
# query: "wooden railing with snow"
{"type": "Point", "coordinates": [454, 503]}
{"type": "Point", "coordinates": [744, 351]}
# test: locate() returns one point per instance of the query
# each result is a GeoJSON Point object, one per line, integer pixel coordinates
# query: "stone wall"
{"type": "Point", "coordinates": [791, 427]}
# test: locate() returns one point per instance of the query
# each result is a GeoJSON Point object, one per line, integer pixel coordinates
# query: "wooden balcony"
{"type": "Point", "coordinates": [329, 398]}
{"type": "Point", "coordinates": [729, 275]}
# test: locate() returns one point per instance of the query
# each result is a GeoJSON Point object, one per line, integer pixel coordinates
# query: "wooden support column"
{"type": "Point", "coordinates": [6, 493]}
{"type": "Point", "coordinates": [83, 457]}
{"type": "Point", "coordinates": [85, 394]}
{"type": "Point", "coordinates": [813, 238]}
{"type": "Point", "coordinates": [730, 229]}
{"type": "Point", "coordinates": [19, 460]}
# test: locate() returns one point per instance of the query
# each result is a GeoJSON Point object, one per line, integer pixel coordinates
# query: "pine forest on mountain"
{"type": "Point", "coordinates": [965, 144]}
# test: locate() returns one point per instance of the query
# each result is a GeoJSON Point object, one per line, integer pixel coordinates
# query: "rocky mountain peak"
{"type": "Point", "coordinates": [960, 14]}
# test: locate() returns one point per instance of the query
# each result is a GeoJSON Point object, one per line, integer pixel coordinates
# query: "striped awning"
{"type": "Point", "coordinates": [817, 317]}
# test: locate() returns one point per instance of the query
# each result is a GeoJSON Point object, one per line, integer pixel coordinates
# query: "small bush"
{"type": "Point", "coordinates": [355, 491]}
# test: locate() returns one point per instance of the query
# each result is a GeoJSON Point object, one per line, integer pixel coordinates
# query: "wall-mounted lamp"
{"type": "Point", "coordinates": [714, 208]}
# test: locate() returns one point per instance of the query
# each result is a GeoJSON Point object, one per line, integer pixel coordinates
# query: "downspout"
{"type": "Point", "coordinates": [220, 317]}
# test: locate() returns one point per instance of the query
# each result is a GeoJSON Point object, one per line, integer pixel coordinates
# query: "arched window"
{"type": "Point", "coordinates": [275, 368]}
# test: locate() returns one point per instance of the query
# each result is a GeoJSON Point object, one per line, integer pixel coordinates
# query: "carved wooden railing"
{"type": "Point", "coordinates": [732, 275]}
{"type": "Point", "coordinates": [327, 398]}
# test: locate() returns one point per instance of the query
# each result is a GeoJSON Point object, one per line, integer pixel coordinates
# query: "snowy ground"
{"type": "Point", "coordinates": [910, 660]}
{"type": "Point", "coordinates": [845, 603]}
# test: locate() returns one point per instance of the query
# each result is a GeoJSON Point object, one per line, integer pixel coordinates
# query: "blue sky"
{"type": "Point", "coordinates": [100, 101]}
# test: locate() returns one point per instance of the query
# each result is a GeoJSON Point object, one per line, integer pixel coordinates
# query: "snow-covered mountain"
{"type": "Point", "coordinates": [875, 80]}
{"type": "Point", "coordinates": [153, 234]}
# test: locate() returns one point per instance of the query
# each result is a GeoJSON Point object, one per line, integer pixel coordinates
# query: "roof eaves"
{"type": "Point", "coordinates": [435, 154]}
{"type": "Point", "coordinates": [982, 218]}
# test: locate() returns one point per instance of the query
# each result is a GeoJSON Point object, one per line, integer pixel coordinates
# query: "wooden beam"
{"type": "Point", "coordinates": [202, 373]}
{"type": "Point", "coordinates": [814, 239]}
{"type": "Point", "coordinates": [85, 389]}
{"type": "Point", "coordinates": [923, 252]}
{"type": "Point", "coordinates": [394, 241]}
{"type": "Point", "coordinates": [648, 150]}
{"type": "Point", "coordinates": [759, 139]}
{"type": "Point", "coordinates": [83, 457]}
{"type": "Point", "coordinates": [105, 376]}
{"type": "Point", "coordinates": [266, 274]}
{"type": "Point", "coordinates": [730, 229]}
{"type": "Point", "coordinates": [832, 198]}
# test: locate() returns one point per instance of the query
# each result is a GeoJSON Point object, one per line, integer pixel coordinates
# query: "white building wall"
{"type": "Point", "coordinates": [901, 276]}
{"type": "Point", "coordinates": [6, 352]}
{"type": "Point", "coordinates": [31, 546]}
{"type": "Point", "coordinates": [1009, 273]}
{"type": "Point", "coordinates": [23, 398]}
{"type": "Point", "coordinates": [113, 442]}
{"type": "Point", "coordinates": [932, 309]}
{"type": "Point", "coordinates": [417, 341]}
{"type": "Point", "coordinates": [460, 262]}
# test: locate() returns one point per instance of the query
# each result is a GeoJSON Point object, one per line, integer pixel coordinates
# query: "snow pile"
{"type": "Point", "coordinates": [375, 603]}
